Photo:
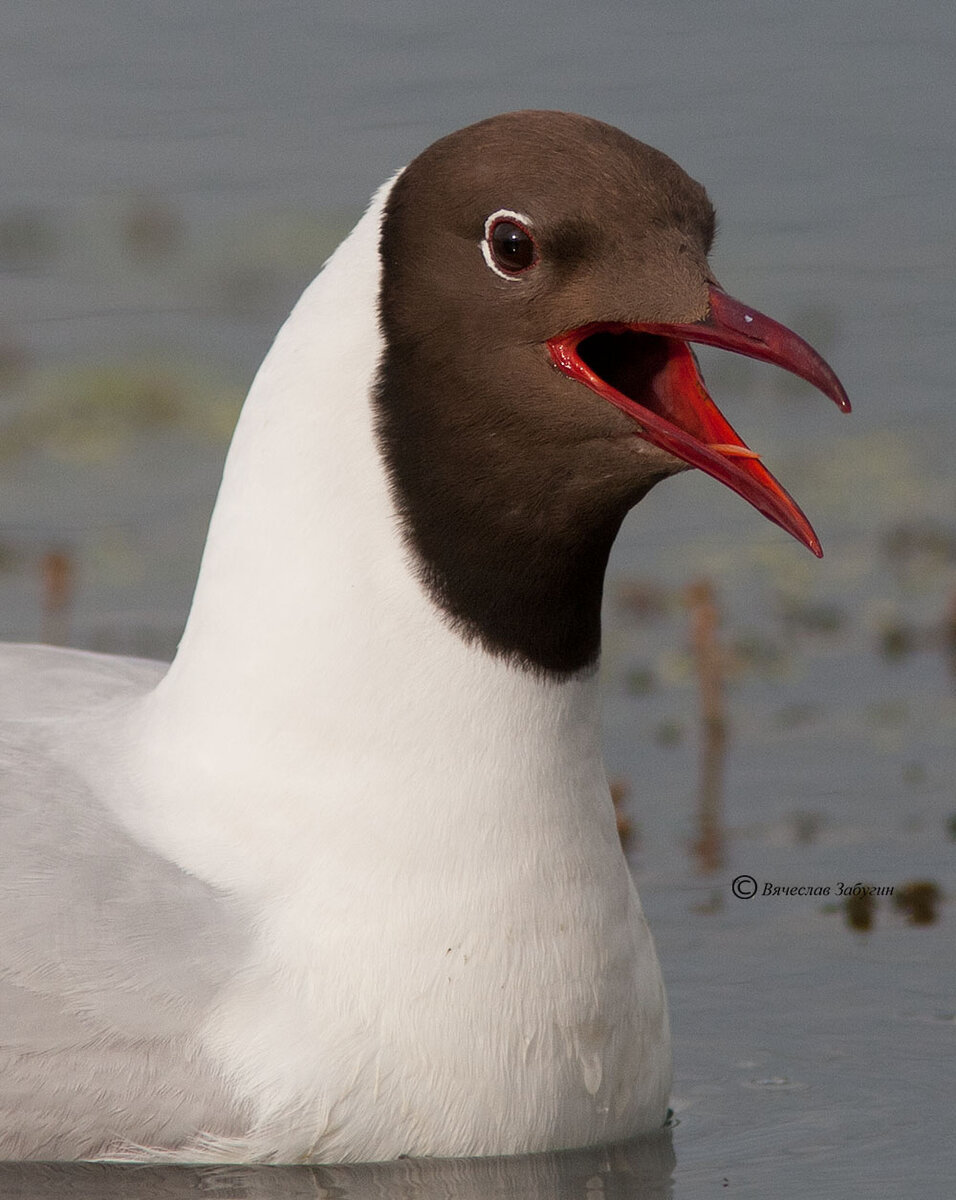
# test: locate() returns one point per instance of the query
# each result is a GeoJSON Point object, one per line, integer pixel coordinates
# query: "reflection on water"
{"type": "Point", "coordinates": [639, 1169]}
{"type": "Point", "coordinates": [711, 669]}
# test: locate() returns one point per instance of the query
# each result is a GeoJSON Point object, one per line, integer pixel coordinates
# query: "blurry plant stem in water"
{"type": "Point", "coordinates": [57, 574]}
{"type": "Point", "coordinates": [709, 661]}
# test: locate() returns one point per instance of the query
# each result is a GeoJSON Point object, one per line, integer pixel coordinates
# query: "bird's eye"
{"type": "Point", "coordinates": [508, 246]}
{"type": "Point", "coordinates": [512, 247]}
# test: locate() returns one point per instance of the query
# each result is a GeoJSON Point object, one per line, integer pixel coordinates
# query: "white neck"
{"type": "Point", "coordinates": [312, 650]}
{"type": "Point", "coordinates": [302, 550]}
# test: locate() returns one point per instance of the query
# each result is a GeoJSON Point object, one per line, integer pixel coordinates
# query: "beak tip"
{"type": "Point", "coordinates": [812, 543]}
{"type": "Point", "coordinates": [837, 393]}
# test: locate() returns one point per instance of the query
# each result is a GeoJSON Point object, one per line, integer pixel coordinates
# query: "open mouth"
{"type": "Point", "coordinates": [650, 373]}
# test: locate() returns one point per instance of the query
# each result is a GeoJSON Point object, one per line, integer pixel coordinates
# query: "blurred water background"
{"type": "Point", "coordinates": [174, 174]}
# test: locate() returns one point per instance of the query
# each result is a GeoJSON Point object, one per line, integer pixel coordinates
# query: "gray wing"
{"type": "Point", "coordinates": [109, 955]}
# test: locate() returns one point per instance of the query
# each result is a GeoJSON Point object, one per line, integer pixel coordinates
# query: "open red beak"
{"type": "Point", "coordinates": [649, 372]}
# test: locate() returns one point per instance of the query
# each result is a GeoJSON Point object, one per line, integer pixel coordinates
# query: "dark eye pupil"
{"type": "Point", "coordinates": [511, 246]}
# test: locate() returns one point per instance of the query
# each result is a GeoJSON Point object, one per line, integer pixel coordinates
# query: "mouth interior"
{"type": "Point", "coordinates": [660, 378]}
{"type": "Point", "coordinates": [633, 363]}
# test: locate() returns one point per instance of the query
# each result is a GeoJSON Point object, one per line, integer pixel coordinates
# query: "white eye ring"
{"type": "Point", "coordinates": [507, 214]}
